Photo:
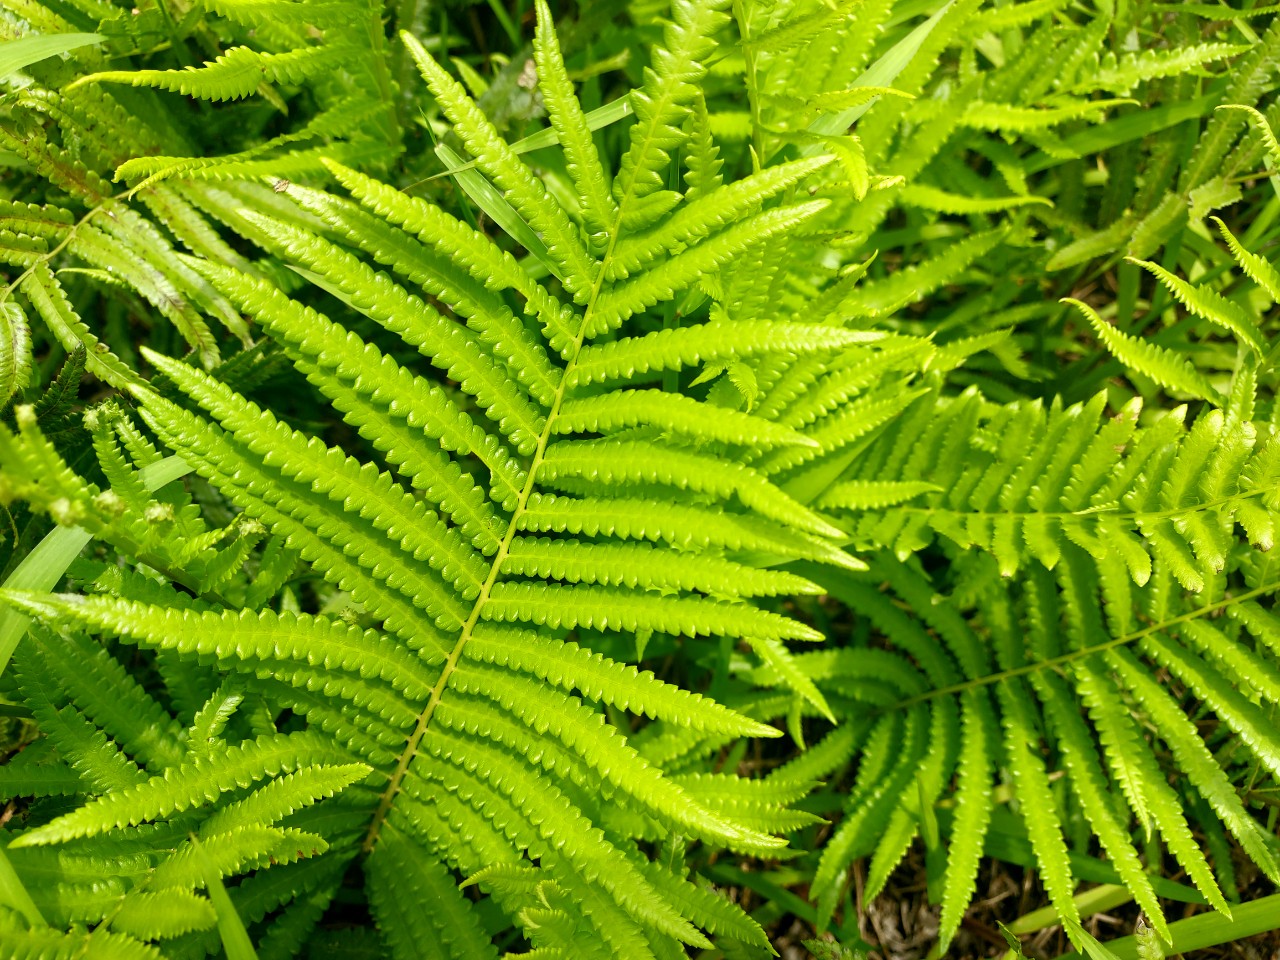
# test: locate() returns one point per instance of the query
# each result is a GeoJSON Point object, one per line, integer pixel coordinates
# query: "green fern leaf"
{"type": "Point", "coordinates": [15, 352]}
{"type": "Point", "coordinates": [196, 784]}
{"type": "Point", "coordinates": [973, 813]}
{"type": "Point", "coordinates": [1161, 365]}
{"type": "Point", "coordinates": [235, 74]}
{"type": "Point", "coordinates": [599, 209]}
{"type": "Point", "coordinates": [525, 193]}
{"type": "Point", "coordinates": [704, 215]}
{"type": "Point", "coordinates": [675, 349]}
{"type": "Point", "coordinates": [672, 413]}
{"type": "Point", "coordinates": [1004, 117]}
{"type": "Point", "coordinates": [571, 667]}
{"type": "Point", "coordinates": [1124, 73]}
{"type": "Point", "coordinates": [662, 104]}
{"type": "Point", "coordinates": [1208, 304]}
{"type": "Point", "coordinates": [1259, 270]}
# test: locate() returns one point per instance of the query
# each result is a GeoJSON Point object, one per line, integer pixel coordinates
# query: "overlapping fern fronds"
{"type": "Point", "coordinates": [1085, 554]}
{"type": "Point", "coordinates": [675, 399]}
{"type": "Point", "coordinates": [986, 695]}
{"type": "Point", "coordinates": [1127, 496]}
{"type": "Point", "coordinates": [497, 524]}
{"type": "Point", "coordinates": [971, 177]}
{"type": "Point", "coordinates": [75, 132]}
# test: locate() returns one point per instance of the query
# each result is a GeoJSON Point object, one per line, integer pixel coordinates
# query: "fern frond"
{"type": "Point", "coordinates": [264, 636]}
{"type": "Point", "coordinates": [931, 198]}
{"type": "Point", "coordinates": [619, 303]}
{"type": "Point", "coordinates": [161, 915]}
{"type": "Point", "coordinates": [673, 413]}
{"type": "Point", "coordinates": [15, 351]}
{"type": "Point", "coordinates": [583, 162]}
{"type": "Point", "coordinates": [1160, 364]}
{"type": "Point", "coordinates": [1014, 15]}
{"type": "Point", "coordinates": [601, 608]}
{"type": "Point", "coordinates": [702, 157]}
{"type": "Point", "coordinates": [487, 313]}
{"type": "Point", "coordinates": [584, 731]}
{"type": "Point", "coordinates": [495, 504]}
{"type": "Point", "coordinates": [282, 12]}
{"type": "Point", "coordinates": [401, 880]}
{"type": "Point", "coordinates": [389, 509]}
{"type": "Point", "coordinates": [50, 944]}
{"type": "Point", "coordinates": [665, 100]}
{"type": "Point", "coordinates": [631, 564]}
{"type": "Point", "coordinates": [1209, 305]}
{"type": "Point", "coordinates": [683, 527]}
{"type": "Point", "coordinates": [482, 259]}
{"type": "Point", "coordinates": [235, 74]}
{"type": "Point", "coordinates": [613, 463]}
{"type": "Point", "coordinates": [872, 494]}
{"type": "Point", "coordinates": [629, 357]}
{"type": "Point", "coordinates": [883, 297]}
{"type": "Point", "coordinates": [705, 215]}
{"type": "Point", "coordinates": [1122, 74]}
{"type": "Point", "coordinates": [525, 193]}
{"type": "Point", "coordinates": [396, 411]}
{"type": "Point", "coordinates": [1257, 268]}
{"type": "Point", "coordinates": [49, 299]}
{"type": "Point", "coordinates": [1003, 117]}
{"type": "Point", "coordinates": [572, 667]}
{"type": "Point", "coordinates": [1193, 757]}
{"type": "Point", "coordinates": [389, 304]}
{"type": "Point", "coordinates": [973, 812]}
{"type": "Point", "coordinates": [190, 786]}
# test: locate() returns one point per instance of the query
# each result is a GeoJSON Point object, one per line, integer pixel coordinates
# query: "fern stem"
{"type": "Point", "coordinates": [451, 662]}
{"type": "Point", "coordinates": [753, 88]}
{"type": "Point", "coordinates": [530, 484]}
{"type": "Point", "coordinates": [382, 77]}
{"type": "Point", "coordinates": [71, 233]}
{"type": "Point", "coordinates": [531, 481]}
{"type": "Point", "coordinates": [1084, 652]}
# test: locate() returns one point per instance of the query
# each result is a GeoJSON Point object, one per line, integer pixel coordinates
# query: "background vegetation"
{"type": "Point", "coordinates": [373, 406]}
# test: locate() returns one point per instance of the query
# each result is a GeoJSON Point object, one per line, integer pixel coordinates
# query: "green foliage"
{"type": "Point", "coordinates": [446, 753]}
{"type": "Point", "coordinates": [1080, 565]}
{"type": "Point", "coordinates": [522, 450]}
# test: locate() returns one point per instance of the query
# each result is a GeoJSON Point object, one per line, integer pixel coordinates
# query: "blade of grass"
{"type": "Point", "coordinates": [1091, 901]}
{"type": "Point", "coordinates": [489, 199]}
{"type": "Point", "coordinates": [504, 19]}
{"type": "Point", "coordinates": [600, 117]}
{"type": "Point", "coordinates": [235, 939]}
{"type": "Point", "coordinates": [1101, 137]}
{"type": "Point", "coordinates": [18, 54]}
{"type": "Point", "coordinates": [1207, 930]}
{"type": "Point", "coordinates": [13, 894]}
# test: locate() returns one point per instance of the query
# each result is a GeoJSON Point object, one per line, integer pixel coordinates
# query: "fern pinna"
{"type": "Point", "coordinates": [444, 727]}
{"type": "Point", "coordinates": [1075, 604]}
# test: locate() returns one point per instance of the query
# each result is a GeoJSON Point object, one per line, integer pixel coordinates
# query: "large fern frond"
{"type": "Point", "coordinates": [521, 497]}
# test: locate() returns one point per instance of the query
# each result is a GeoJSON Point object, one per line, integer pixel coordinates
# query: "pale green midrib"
{"type": "Point", "coordinates": [451, 662]}
{"type": "Point", "coordinates": [1103, 512]}
{"type": "Point", "coordinates": [1083, 652]}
